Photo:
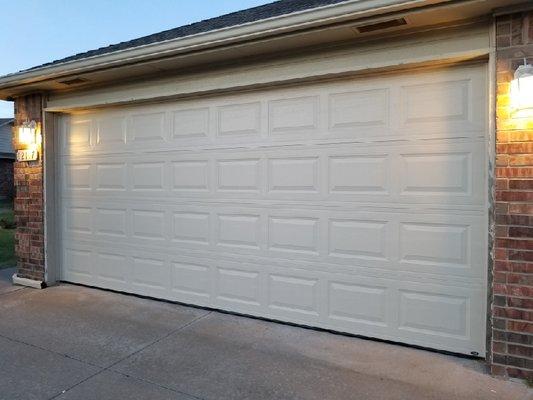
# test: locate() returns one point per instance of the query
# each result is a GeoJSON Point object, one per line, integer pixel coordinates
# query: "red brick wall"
{"type": "Point", "coordinates": [512, 308]}
{"type": "Point", "coordinates": [6, 179]}
{"type": "Point", "coordinates": [29, 237]}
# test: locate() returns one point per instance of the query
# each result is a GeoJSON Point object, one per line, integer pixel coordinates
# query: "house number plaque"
{"type": "Point", "coordinates": [27, 155]}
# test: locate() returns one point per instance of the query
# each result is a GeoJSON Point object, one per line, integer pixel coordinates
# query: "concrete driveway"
{"type": "Point", "coordinates": [71, 342]}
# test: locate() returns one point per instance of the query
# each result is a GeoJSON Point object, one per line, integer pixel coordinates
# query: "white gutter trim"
{"type": "Point", "coordinates": [339, 12]}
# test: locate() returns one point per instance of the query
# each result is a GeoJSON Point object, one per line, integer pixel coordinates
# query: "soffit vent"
{"type": "Point", "coordinates": [391, 23]}
{"type": "Point", "coordinates": [74, 81]}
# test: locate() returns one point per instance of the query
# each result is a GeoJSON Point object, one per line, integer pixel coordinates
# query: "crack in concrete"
{"type": "Point", "coordinates": [108, 368]}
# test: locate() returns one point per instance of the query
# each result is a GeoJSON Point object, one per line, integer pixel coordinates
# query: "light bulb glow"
{"type": "Point", "coordinates": [521, 93]}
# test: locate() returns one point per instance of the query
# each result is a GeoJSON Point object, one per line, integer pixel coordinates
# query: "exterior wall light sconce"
{"type": "Point", "coordinates": [522, 91]}
{"type": "Point", "coordinates": [28, 141]}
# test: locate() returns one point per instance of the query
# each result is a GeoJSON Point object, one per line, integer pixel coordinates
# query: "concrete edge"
{"type": "Point", "coordinates": [28, 282]}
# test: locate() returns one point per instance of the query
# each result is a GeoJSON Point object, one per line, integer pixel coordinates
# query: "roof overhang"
{"type": "Point", "coordinates": [283, 33]}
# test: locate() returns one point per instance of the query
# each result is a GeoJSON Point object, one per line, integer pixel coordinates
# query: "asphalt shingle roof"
{"type": "Point", "coordinates": [275, 9]}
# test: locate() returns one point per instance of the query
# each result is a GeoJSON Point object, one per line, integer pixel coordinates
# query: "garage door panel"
{"type": "Point", "coordinates": [110, 222]}
{"type": "Point", "coordinates": [148, 176]}
{"type": "Point", "coordinates": [358, 109]}
{"type": "Point", "coordinates": [113, 271]}
{"type": "Point", "coordinates": [295, 115]}
{"type": "Point", "coordinates": [111, 132]}
{"type": "Point", "coordinates": [448, 103]}
{"type": "Point", "coordinates": [445, 174]}
{"type": "Point", "coordinates": [440, 313]}
{"type": "Point", "coordinates": [436, 104]}
{"type": "Point", "coordinates": [191, 125]}
{"type": "Point", "coordinates": [359, 238]}
{"type": "Point", "coordinates": [146, 128]}
{"type": "Point", "coordinates": [239, 287]}
{"type": "Point", "coordinates": [442, 244]}
{"type": "Point", "coordinates": [239, 175]}
{"type": "Point", "coordinates": [357, 205]}
{"type": "Point", "coordinates": [239, 120]}
{"type": "Point", "coordinates": [77, 176]}
{"type": "Point", "coordinates": [380, 307]}
{"type": "Point", "coordinates": [192, 281]}
{"type": "Point", "coordinates": [77, 265]}
{"type": "Point", "coordinates": [373, 177]}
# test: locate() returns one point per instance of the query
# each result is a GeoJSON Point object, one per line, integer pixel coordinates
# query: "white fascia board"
{"type": "Point", "coordinates": [447, 46]}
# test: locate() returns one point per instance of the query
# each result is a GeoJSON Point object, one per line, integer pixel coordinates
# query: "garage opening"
{"type": "Point", "coordinates": [357, 205]}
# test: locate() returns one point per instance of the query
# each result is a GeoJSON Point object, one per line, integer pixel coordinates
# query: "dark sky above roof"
{"type": "Point", "coordinates": [269, 10]}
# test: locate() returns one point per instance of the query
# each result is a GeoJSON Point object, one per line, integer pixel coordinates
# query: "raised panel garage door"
{"type": "Point", "coordinates": [357, 205]}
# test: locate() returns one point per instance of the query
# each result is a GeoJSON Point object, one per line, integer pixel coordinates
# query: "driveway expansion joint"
{"type": "Point", "coordinates": [108, 368]}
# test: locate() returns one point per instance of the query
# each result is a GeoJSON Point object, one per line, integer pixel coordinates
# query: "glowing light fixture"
{"type": "Point", "coordinates": [522, 90]}
{"type": "Point", "coordinates": [29, 134]}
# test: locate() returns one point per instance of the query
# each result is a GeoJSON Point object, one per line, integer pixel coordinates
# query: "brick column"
{"type": "Point", "coordinates": [512, 306]}
{"type": "Point", "coordinates": [29, 236]}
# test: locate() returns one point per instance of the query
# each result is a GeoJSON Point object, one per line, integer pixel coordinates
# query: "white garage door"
{"type": "Point", "coordinates": [357, 205]}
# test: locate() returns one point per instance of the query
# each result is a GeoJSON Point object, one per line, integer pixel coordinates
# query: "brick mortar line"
{"type": "Point", "coordinates": [513, 366]}
{"type": "Point", "coordinates": [514, 319]}
{"type": "Point", "coordinates": [514, 356]}
{"type": "Point", "coordinates": [514, 308]}
{"type": "Point", "coordinates": [518, 333]}
{"type": "Point", "coordinates": [108, 368]}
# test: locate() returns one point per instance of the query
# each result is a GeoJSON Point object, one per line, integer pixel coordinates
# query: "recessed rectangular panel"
{"type": "Point", "coordinates": [150, 273]}
{"type": "Point", "coordinates": [80, 133]}
{"type": "Point", "coordinates": [435, 243]}
{"type": "Point", "coordinates": [293, 294]}
{"type": "Point", "coordinates": [111, 176]}
{"type": "Point", "coordinates": [238, 231]}
{"type": "Point", "coordinates": [191, 279]}
{"type": "Point", "coordinates": [239, 119]}
{"type": "Point", "coordinates": [359, 174]}
{"type": "Point", "coordinates": [293, 115]}
{"type": "Point", "coordinates": [78, 262]}
{"type": "Point", "coordinates": [436, 102]}
{"type": "Point", "coordinates": [148, 224]}
{"type": "Point", "coordinates": [146, 128]}
{"type": "Point", "coordinates": [298, 235]}
{"type": "Point", "coordinates": [112, 268]}
{"type": "Point", "coordinates": [148, 176]}
{"type": "Point", "coordinates": [357, 109]}
{"type": "Point", "coordinates": [437, 173]}
{"type": "Point", "coordinates": [78, 176]}
{"type": "Point", "coordinates": [191, 227]}
{"type": "Point", "coordinates": [192, 123]}
{"type": "Point", "coordinates": [190, 175]}
{"type": "Point", "coordinates": [437, 314]}
{"type": "Point", "coordinates": [78, 219]}
{"type": "Point", "coordinates": [238, 286]}
{"type": "Point", "coordinates": [110, 221]}
{"type": "Point", "coordinates": [239, 175]}
{"type": "Point", "coordinates": [111, 131]}
{"type": "Point", "coordinates": [358, 303]}
{"type": "Point", "coordinates": [357, 238]}
{"type": "Point", "coordinates": [293, 174]}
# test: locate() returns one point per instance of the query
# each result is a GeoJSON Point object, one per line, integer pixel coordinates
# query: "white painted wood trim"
{"type": "Point", "coordinates": [446, 46]}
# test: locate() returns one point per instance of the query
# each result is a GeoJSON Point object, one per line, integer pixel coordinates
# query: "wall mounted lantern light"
{"type": "Point", "coordinates": [522, 91]}
{"type": "Point", "coordinates": [28, 141]}
{"type": "Point", "coordinates": [29, 134]}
